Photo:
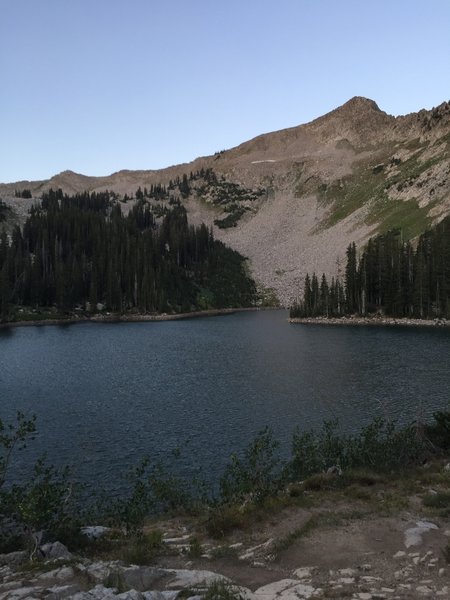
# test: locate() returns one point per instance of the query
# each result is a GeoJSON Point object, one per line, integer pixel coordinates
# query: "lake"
{"type": "Point", "coordinates": [107, 394]}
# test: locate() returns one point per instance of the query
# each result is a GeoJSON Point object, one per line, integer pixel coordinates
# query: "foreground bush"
{"type": "Point", "coordinates": [49, 505]}
{"type": "Point", "coordinates": [380, 446]}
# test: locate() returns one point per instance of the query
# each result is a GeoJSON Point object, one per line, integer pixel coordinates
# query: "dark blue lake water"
{"type": "Point", "coordinates": [106, 395]}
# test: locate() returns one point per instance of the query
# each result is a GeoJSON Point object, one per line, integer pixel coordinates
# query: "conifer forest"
{"type": "Point", "coordinates": [390, 277]}
{"type": "Point", "coordinates": [83, 251]}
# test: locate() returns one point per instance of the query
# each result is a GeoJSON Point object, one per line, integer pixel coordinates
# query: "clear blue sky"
{"type": "Point", "coordinates": [101, 85]}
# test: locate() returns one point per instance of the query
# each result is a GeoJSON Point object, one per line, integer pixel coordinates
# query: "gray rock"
{"type": "Point", "coordinates": [285, 589]}
{"type": "Point", "coordinates": [424, 590]}
{"type": "Point", "coordinates": [185, 578]}
{"type": "Point", "coordinates": [131, 595]}
{"type": "Point", "coordinates": [9, 585]}
{"type": "Point", "coordinates": [55, 550]}
{"type": "Point", "coordinates": [99, 571]}
{"type": "Point", "coordinates": [413, 535]}
{"type": "Point", "coordinates": [61, 574]}
{"type": "Point", "coordinates": [13, 558]}
{"type": "Point", "coordinates": [156, 595]}
{"type": "Point", "coordinates": [141, 578]}
{"type": "Point", "coordinates": [334, 470]}
{"type": "Point", "coordinates": [99, 592]}
{"type": "Point", "coordinates": [304, 572]}
{"type": "Point", "coordinates": [59, 592]}
{"type": "Point", "coordinates": [27, 593]}
{"type": "Point", "coordinates": [93, 532]}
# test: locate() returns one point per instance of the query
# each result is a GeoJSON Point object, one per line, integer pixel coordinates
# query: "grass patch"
{"type": "Point", "coordinates": [350, 194]}
{"type": "Point", "coordinates": [137, 549]}
{"type": "Point", "coordinates": [368, 186]}
{"type": "Point", "coordinates": [321, 519]}
{"type": "Point", "coordinates": [406, 215]}
{"type": "Point", "coordinates": [356, 492]}
{"type": "Point", "coordinates": [222, 520]}
{"type": "Point", "coordinates": [439, 500]}
{"type": "Point", "coordinates": [224, 552]}
{"type": "Point", "coordinates": [363, 477]}
{"type": "Point", "coordinates": [392, 502]}
{"type": "Point", "coordinates": [195, 549]}
{"type": "Point", "coordinates": [144, 548]}
{"type": "Point", "coordinates": [319, 482]}
{"type": "Point", "coordinates": [115, 580]}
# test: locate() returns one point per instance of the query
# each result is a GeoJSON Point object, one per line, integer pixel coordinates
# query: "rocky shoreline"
{"type": "Point", "coordinates": [385, 321]}
{"type": "Point", "coordinates": [130, 318]}
{"type": "Point", "coordinates": [413, 567]}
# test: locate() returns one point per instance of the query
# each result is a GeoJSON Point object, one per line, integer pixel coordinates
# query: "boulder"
{"type": "Point", "coordinates": [55, 550]}
{"type": "Point", "coordinates": [93, 532]}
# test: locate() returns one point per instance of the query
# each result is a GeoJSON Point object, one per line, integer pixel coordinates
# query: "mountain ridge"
{"type": "Point", "coordinates": [316, 187]}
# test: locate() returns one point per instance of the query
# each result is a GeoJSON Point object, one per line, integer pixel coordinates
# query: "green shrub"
{"type": "Point", "coordinates": [319, 481]}
{"type": "Point", "coordinates": [143, 549]}
{"type": "Point", "coordinates": [438, 432]}
{"type": "Point", "coordinates": [115, 580]}
{"type": "Point", "coordinates": [380, 447]}
{"type": "Point", "coordinates": [438, 500]}
{"type": "Point", "coordinates": [195, 549]}
{"type": "Point", "coordinates": [46, 503]}
{"type": "Point", "coordinates": [169, 492]}
{"type": "Point", "coordinates": [130, 512]}
{"type": "Point", "coordinates": [315, 452]}
{"type": "Point", "coordinates": [361, 477]}
{"type": "Point", "coordinates": [223, 519]}
{"type": "Point", "coordinates": [255, 475]}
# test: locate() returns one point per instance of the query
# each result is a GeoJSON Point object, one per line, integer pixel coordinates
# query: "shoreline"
{"type": "Point", "coordinates": [134, 318]}
{"type": "Point", "coordinates": [372, 321]}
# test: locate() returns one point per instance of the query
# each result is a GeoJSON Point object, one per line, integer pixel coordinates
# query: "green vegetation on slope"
{"type": "Point", "coordinates": [231, 197]}
{"type": "Point", "coordinates": [368, 187]}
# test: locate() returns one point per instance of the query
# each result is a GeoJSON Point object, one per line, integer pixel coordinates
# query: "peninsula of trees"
{"type": "Point", "coordinates": [83, 252]}
{"type": "Point", "coordinates": [390, 277]}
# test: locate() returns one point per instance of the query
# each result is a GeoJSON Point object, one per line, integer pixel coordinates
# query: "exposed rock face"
{"type": "Point", "coordinates": [341, 178]}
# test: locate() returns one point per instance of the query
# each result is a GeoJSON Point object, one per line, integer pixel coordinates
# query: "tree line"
{"type": "Point", "coordinates": [390, 277]}
{"type": "Point", "coordinates": [81, 250]}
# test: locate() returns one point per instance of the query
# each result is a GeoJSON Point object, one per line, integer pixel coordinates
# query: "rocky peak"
{"type": "Point", "coordinates": [438, 116]}
{"type": "Point", "coordinates": [359, 120]}
{"type": "Point", "coordinates": [359, 103]}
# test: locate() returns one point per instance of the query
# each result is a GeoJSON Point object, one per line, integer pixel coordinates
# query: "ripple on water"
{"type": "Point", "coordinates": [106, 395]}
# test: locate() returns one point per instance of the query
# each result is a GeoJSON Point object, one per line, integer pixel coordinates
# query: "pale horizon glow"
{"type": "Point", "coordinates": [97, 87]}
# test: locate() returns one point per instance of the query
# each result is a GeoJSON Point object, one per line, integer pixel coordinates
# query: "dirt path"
{"type": "Point", "coordinates": [332, 552]}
